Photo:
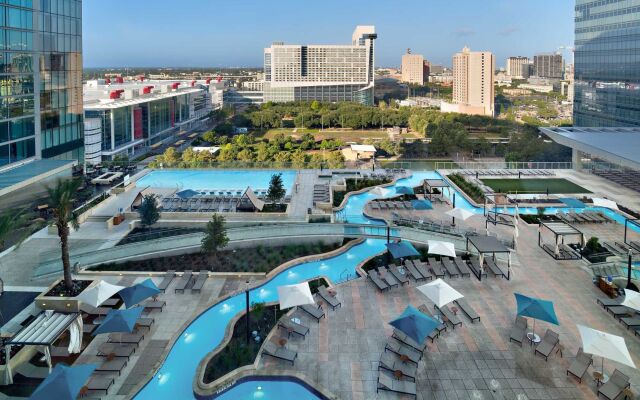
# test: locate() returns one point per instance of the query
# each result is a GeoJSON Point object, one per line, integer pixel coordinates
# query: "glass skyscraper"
{"type": "Point", "coordinates": [40, 80]}
{"type": "Point", "coordinates": [607, 63]}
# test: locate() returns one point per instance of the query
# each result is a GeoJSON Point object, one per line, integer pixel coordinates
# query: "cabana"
{"type": "Point", "coordinates": [249, 201]}
{"type": "Point", "coordinates": [44, 331]}
{"type": "Point", "coordinates": [560, 230]}
{"type": "Point", "coordinates": [429, 184]}
{"type": "Point", "coordinates": [484, 245]}
{"type": "Point", "coordinates": [633, 244]}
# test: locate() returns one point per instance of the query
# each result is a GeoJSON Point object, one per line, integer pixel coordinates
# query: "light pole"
{"type": "Point", "coordinates": [453, 222]}
{"type": "Point", "coordinates": [246, 291]}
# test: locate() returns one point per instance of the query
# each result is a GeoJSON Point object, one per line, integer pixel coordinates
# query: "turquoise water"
{"type": "Point", "coordinates": [260, 389]}
{"type": "Point", "coordinates": [214, 179]}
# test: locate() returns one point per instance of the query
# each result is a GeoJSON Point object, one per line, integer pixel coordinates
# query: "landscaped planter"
{"type": "Point", "coordinates": [23, 356]}
{"type": "Point", "coordinates": [57, 303]}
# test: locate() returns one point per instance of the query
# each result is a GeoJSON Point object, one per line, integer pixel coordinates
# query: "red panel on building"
{"type": "Point", "coordinates": [137, 123]}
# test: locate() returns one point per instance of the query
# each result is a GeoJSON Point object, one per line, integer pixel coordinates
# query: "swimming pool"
{"type": "Point", "coordinates": [269, 388]}
{"type": "Point", "coordinates": [214, 179]}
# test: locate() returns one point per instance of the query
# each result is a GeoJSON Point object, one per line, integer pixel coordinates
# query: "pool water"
{"type": "Point", "coordinates": [214, 179]}
{"type": "Point", "coordinates": [266, 389]}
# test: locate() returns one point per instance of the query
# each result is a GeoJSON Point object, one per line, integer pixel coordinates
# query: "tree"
{"type": "Point", "coordinates": [10, 222]}
{"type": "Point", "coordinates": [315, 105]}
{"type": "Point", "coordinates": [215, 235]}
{"type": "Point", "coordinates": [149, 211]}
{"type": "Point", "coordinates": [188, 155]}
{"type": "Point", "coordinates": [209, 136]}
{"type": "Point", "coordinates": [170, 156]}
{"type": "Point", "coordinates": [61, 201]}
{"type": "Point", "coordinates": [298, 159]}
{"type": "Point", "coordinates": [276, 188]}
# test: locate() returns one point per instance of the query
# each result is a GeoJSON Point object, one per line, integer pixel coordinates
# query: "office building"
{"type": "Point", "coordinates": [514, 66]}
{"type": "Point", "coordinates": [130, 118]}
{"type": "Point", "coordinates": [413, 68]}
{"type": "Point", "coordinates": [329, 73]}
{"type": "Point", "coordinates": [527, 70]}
{"type": "Point", "coordinates": [607, 64]}
{"type": "Point", "coordinates": [548, 65]}
{"type": "Point", "coordinates": [473, 89]}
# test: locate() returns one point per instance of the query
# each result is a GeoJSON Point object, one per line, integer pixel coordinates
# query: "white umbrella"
{"type": "Point", "coordinates": [605, 345]}
{"type": "Point", "coordinates": [295, 295]}
{"type": "Point", "coordinates": [380, 191]}
{"type": "Point", "coordinates": [439, 292]}
{"type": "Point", "coordinates": [98, 293]}
{"type": "Point", "coordinates": [606, 203]}
{"type": "Point", "coordinates": [459, 213]}
{"type": "Point", "coordinates": [631, 299]}
{"type": "Point", "coordinates": [442, 248]}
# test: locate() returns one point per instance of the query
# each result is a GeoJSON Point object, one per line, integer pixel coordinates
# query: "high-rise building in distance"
{"type": "Point", "coordinates": [413, 68]}
{"type": "Point", "coordinates": [607, 64]}
{"type": "Point", "coordinates": [42, 71]}
{"type": "Point", "coordinates": [473, 90]}
{"type": "Point", "coordinates": [514, 66]}
{"type": "Point", "coordinates": [548, 65]}
{"type": "Point", "coordinates": [322, 72]}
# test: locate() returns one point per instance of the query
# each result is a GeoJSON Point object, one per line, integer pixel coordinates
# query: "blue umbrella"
{"type": "Point", "coordinates": [186, 194]}
{"type": "Point", "coordinates": [404, 190]}
{"type": "Point", "coordinates": [536, 309]}
{"type": "Point", "coordinates": [119, 321]}
{"type": "Point", "coordinates": [421, 204]}
{"type": "Point", "coordinates": [414, 324]}
{"type": "Point", "coordinates": [136, 293]}
{"type": "Point", "coordinates": [64, 382]}
{"type": "Point", "coordinates": [402, 249]}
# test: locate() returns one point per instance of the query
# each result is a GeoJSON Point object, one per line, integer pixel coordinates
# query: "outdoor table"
{"type": "Point", "coordinates": [533, 338]}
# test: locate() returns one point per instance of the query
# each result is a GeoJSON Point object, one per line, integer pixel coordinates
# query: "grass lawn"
{"type": "Point", "coordinates": [555, 186]}
{"type": "Point", "coordinates": [347, 135]}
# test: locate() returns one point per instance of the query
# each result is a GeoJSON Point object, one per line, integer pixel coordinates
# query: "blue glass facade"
{"type": "Point", "coordinates": [607, 63]}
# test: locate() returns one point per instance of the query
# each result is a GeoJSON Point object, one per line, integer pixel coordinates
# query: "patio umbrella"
{"type": "Point", "coordinates": [606, 203]}
{"type": "Point", "coordinates": [414, 324]}
{"type": "Point", "coordinates": [536, 309]}
{"type": "Point", "coordinates": [98, 293]}
{"type": "Point", "coordinates": [380, 191]}
{"type": "Point", "coordinates": [119, 321]}
{"type": "Point", "coordinates": [295, 295]}
{"type": "Point", "coordinates": [423, 204]}
{"type": "Point", "coordinates": [136, 293]}
{"type": "Point", "coordinates": [459, 213]}
{"type": "Point", "coordinates": [402, 249]}
{"type": "Point", "coordinates": [64, 382]}
{"type": "Point", "coordinates": [186, 194]}
{"type": "Point", "coordinates": [439, 292]}
{"type": "Point", "coordinates": [605, 345]}
{"type": "Point", "coordinates": [442, 248]}
{"type": "Point", "coordinates": [631, 299]}
{"type": "Point", "coordinates": [404, 190]}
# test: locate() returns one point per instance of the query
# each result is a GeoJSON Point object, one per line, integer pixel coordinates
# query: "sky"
{"type": "Point", "coordinates": [233, 33]}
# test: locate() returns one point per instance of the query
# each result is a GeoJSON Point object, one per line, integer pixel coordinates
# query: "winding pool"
{"type": "Point", "coordinates": [264, 388]}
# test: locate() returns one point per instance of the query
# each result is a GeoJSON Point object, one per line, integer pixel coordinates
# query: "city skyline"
{"type": "Point", "coordinates": [233, 35]}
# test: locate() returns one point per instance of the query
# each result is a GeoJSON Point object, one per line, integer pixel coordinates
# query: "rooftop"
{"type": "Point", "coordinates": [30, 172]}
{"type": "Point", "coordinates": [97, 94]}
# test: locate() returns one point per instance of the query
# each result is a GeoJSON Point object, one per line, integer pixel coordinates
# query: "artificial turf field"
{"type": "Point", "coordinates": [554, 185]}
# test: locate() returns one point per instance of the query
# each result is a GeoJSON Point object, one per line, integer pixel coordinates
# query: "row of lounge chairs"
{"type": "Point", "coordinates": [627, 316]}
{"type": "Point", "coordinates": [391, 205]}
{"type": "Point", "coordinates": [627, 179]}
{"type": "Point", "coordinates": [218, 204]}
{"type": "Point", "coordinates": [321, 193]}
{"type": "Point", "coordinates": [506, 172]}
{"type": "Point", "coordinates": [565, 252]}
{"type": "Point", "coordinates": [584, 217]}
{"type": "Point", "coordinates": [622, 248]}
{"type": "Point", "coordinates": [187, 278]}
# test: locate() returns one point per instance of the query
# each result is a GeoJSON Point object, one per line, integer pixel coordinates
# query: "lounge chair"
{"type": "Point", "coordinates": [390, 362]}
{"type": "Point", "coordinates": [403, 350]}
{"type": "Point", "coordinates": [315, 312]}
{"type": "Point", "coordinates": [100, 382]}
{"type": "Point", "coordinates": [131, 338]}
{"type": "Point", "coordinates": [402, 278]}
{"type": "Point", "coordinates": [519, 330]}
{"type": "Point", "coordinates": [385, 382]}
{"type": "Point", "coordinates": [620, 311]}
{"type": "Point", "coordinates": [183, 282]}
{"type": "Point", "coordinates": [402, 337]}
{"type": "Point", "coordinates": [451, 268]}
{"type": "Point", "coordinates": [425, 310]}
{"type": "Point", "coordinates": [111, 302]}
{"type": "Point", "coordinates": [293, 327]}
{"type": "Point", "coordinates": [408, 265]}
{"type": "Point", "coordinates": [94, 311]}
{"type": "Point", "coordinates": [548, 343]}
{"type": "Point", "coordinates": [203, 275]}
{"type": "Point", "coordinates": [468, 310]}
{"type": "Point", "coordinates": [272, 350]}
{"type": "Point", "coordinates": [115, 365]}
{"type": "Point", "coordinates": [373, 275]}
{"type": "Point", "coordinates": [450, 316]}
{"type": "Point", "coordinates": [493, 267]}
{"type": "Point", "coordinates": [631, 322]}
{"type": "Point", "coordinates": [615, 386]}
{"type": "Point", "coordinates": [607, 302]}
{"type": "Point", "coordinates": [436, 267]}
{"type": "Point", "coordinates": [386, 277]}
{"type": "Point", "coordinates": [154, 305]}
{"type": "Point", "coordinates": [117, 349]}
{"type": "Point", "coordinates": [328, 298]}
{"type": "Point", "coordinates": [423, 269]}
{"type": "Point", "coordinates": [145, 323]}
{"type": "Point", "coordinates": [462, 267]}
{"type": "Point", "coordinates": [474, 264]}
{"type": "Point", "coordinates": [580, 365]}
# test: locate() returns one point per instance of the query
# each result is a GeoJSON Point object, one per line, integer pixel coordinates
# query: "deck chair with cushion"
{"type": "Point", "coordinates": [293, 327]}
{"type": "Point", "coordinates": [183, 282]}
{"type": "Point", "coordinates": [403, 350]}
{"type": "Point", "coordinates": [402, 337]}
{"type": "Point", "coordinates": [615, 386]}
{"type": "Point", "coordinates": [519, 330]}
{"type": "Point", "coordinates": [386, 277]}
{"type": "Point", "coordinates": [153, 305]}
{"type": "Point", "coordinates": [450, 316]}
{"type": "Point", "coordinates": [451, 267]}
{"type": "Point", "coordinates": [386, 382]}
{"type": "Point", "coordinates": [114, 365]}
{"type": "Point", "coordinates": [436, 267]}
{"type": "Point", "coordinates": [373, 275]}
{"type": "Point", "coordinates": [100, 383]}
{"type": "Point", "coordinates": [440, 328]}
{"type": "Point", "coordinates": [328, 298]}
{"type": "Point", "coordinates": [463, 267]}
{"type": "Point", "coordinates": [132, 338]}
{"type": "Point", "coordinates": [548, 343]}
{"type": "Point", "coordinates": [166, 281]}
{"type": "Point", "coordinates": [468, 310]}
{"type": "Point", "coordinates": [314, 311]}
{"type": "Point", "coordinates": [402, 278]}
{"type": "Point", "coordinates": [413, 272]}
{"type": "Point", "coordinates": [272, 350]}
{"type": "Point", "coordinates": [116, 349]}
{"type": "Point", "coordinates": [199, 283]}
{"type": "Point", "coordinates": [391, 363]}
{"type": "Point", "coordinates": [580, 365]}
{"type": "Point", "coordinates": [631, 322]}
{"type": "Point", "coordinates": [423, 269]}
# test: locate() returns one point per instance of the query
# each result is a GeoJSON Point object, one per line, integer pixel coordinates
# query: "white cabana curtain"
{"type": "Point", "coordinates": [75, 336]}
{"type": "Point", "coordinates": [556, 251]}
{"type": "Point", "coordinates": [47, 357]}
{"type": "Point", "coordinates": [481, 258]}
{"type": "Point", "coordinates": [7, 370]}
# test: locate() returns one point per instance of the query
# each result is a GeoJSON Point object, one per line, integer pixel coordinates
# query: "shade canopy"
{"type": "Point", "coordinates": [295, 295]}
{"type": "Point", "coordinates": [540, 309]}
{"type": "Point", "coordinates": [422, 204]}
{"type": "Point", "coordinates": [414, 324]}
{"type": "Point", "coordinates": [459, 213]}
{"type": "Point", "coordinates": [186, 194]}
{"type": "Point", "coordinates": [402, 249]}
{"type": "Point", "coordinates": [439, 292]}
{"type": "Point", "coordinates": [442, 248]}
{"type": "Point", "coordinates": [598, 202]}
{"type": "Point", "coordinates": [98, 293]}
{"type": "Point", "coordinates": [138, 292]}
{"type": "Point", "coordinates": [45, 329]}
{"type": "Point", "coordinates": [605, 345]}
{"type": "Point", "coordinates": [404, 190]}
{"type": "Point", "coordinates": [64, 382]}
{"type": "Point", "coordinates": [380, 191]}
{"type": "Point", "coordinates": [119, 321]}
{"type": "Point", "coordinates": [631, 299]}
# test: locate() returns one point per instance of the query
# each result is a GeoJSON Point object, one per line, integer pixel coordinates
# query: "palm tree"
{"type": "Point", "coordinates": [61, 201]}
{"type": "Point", "coordinates": [10, 222]}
